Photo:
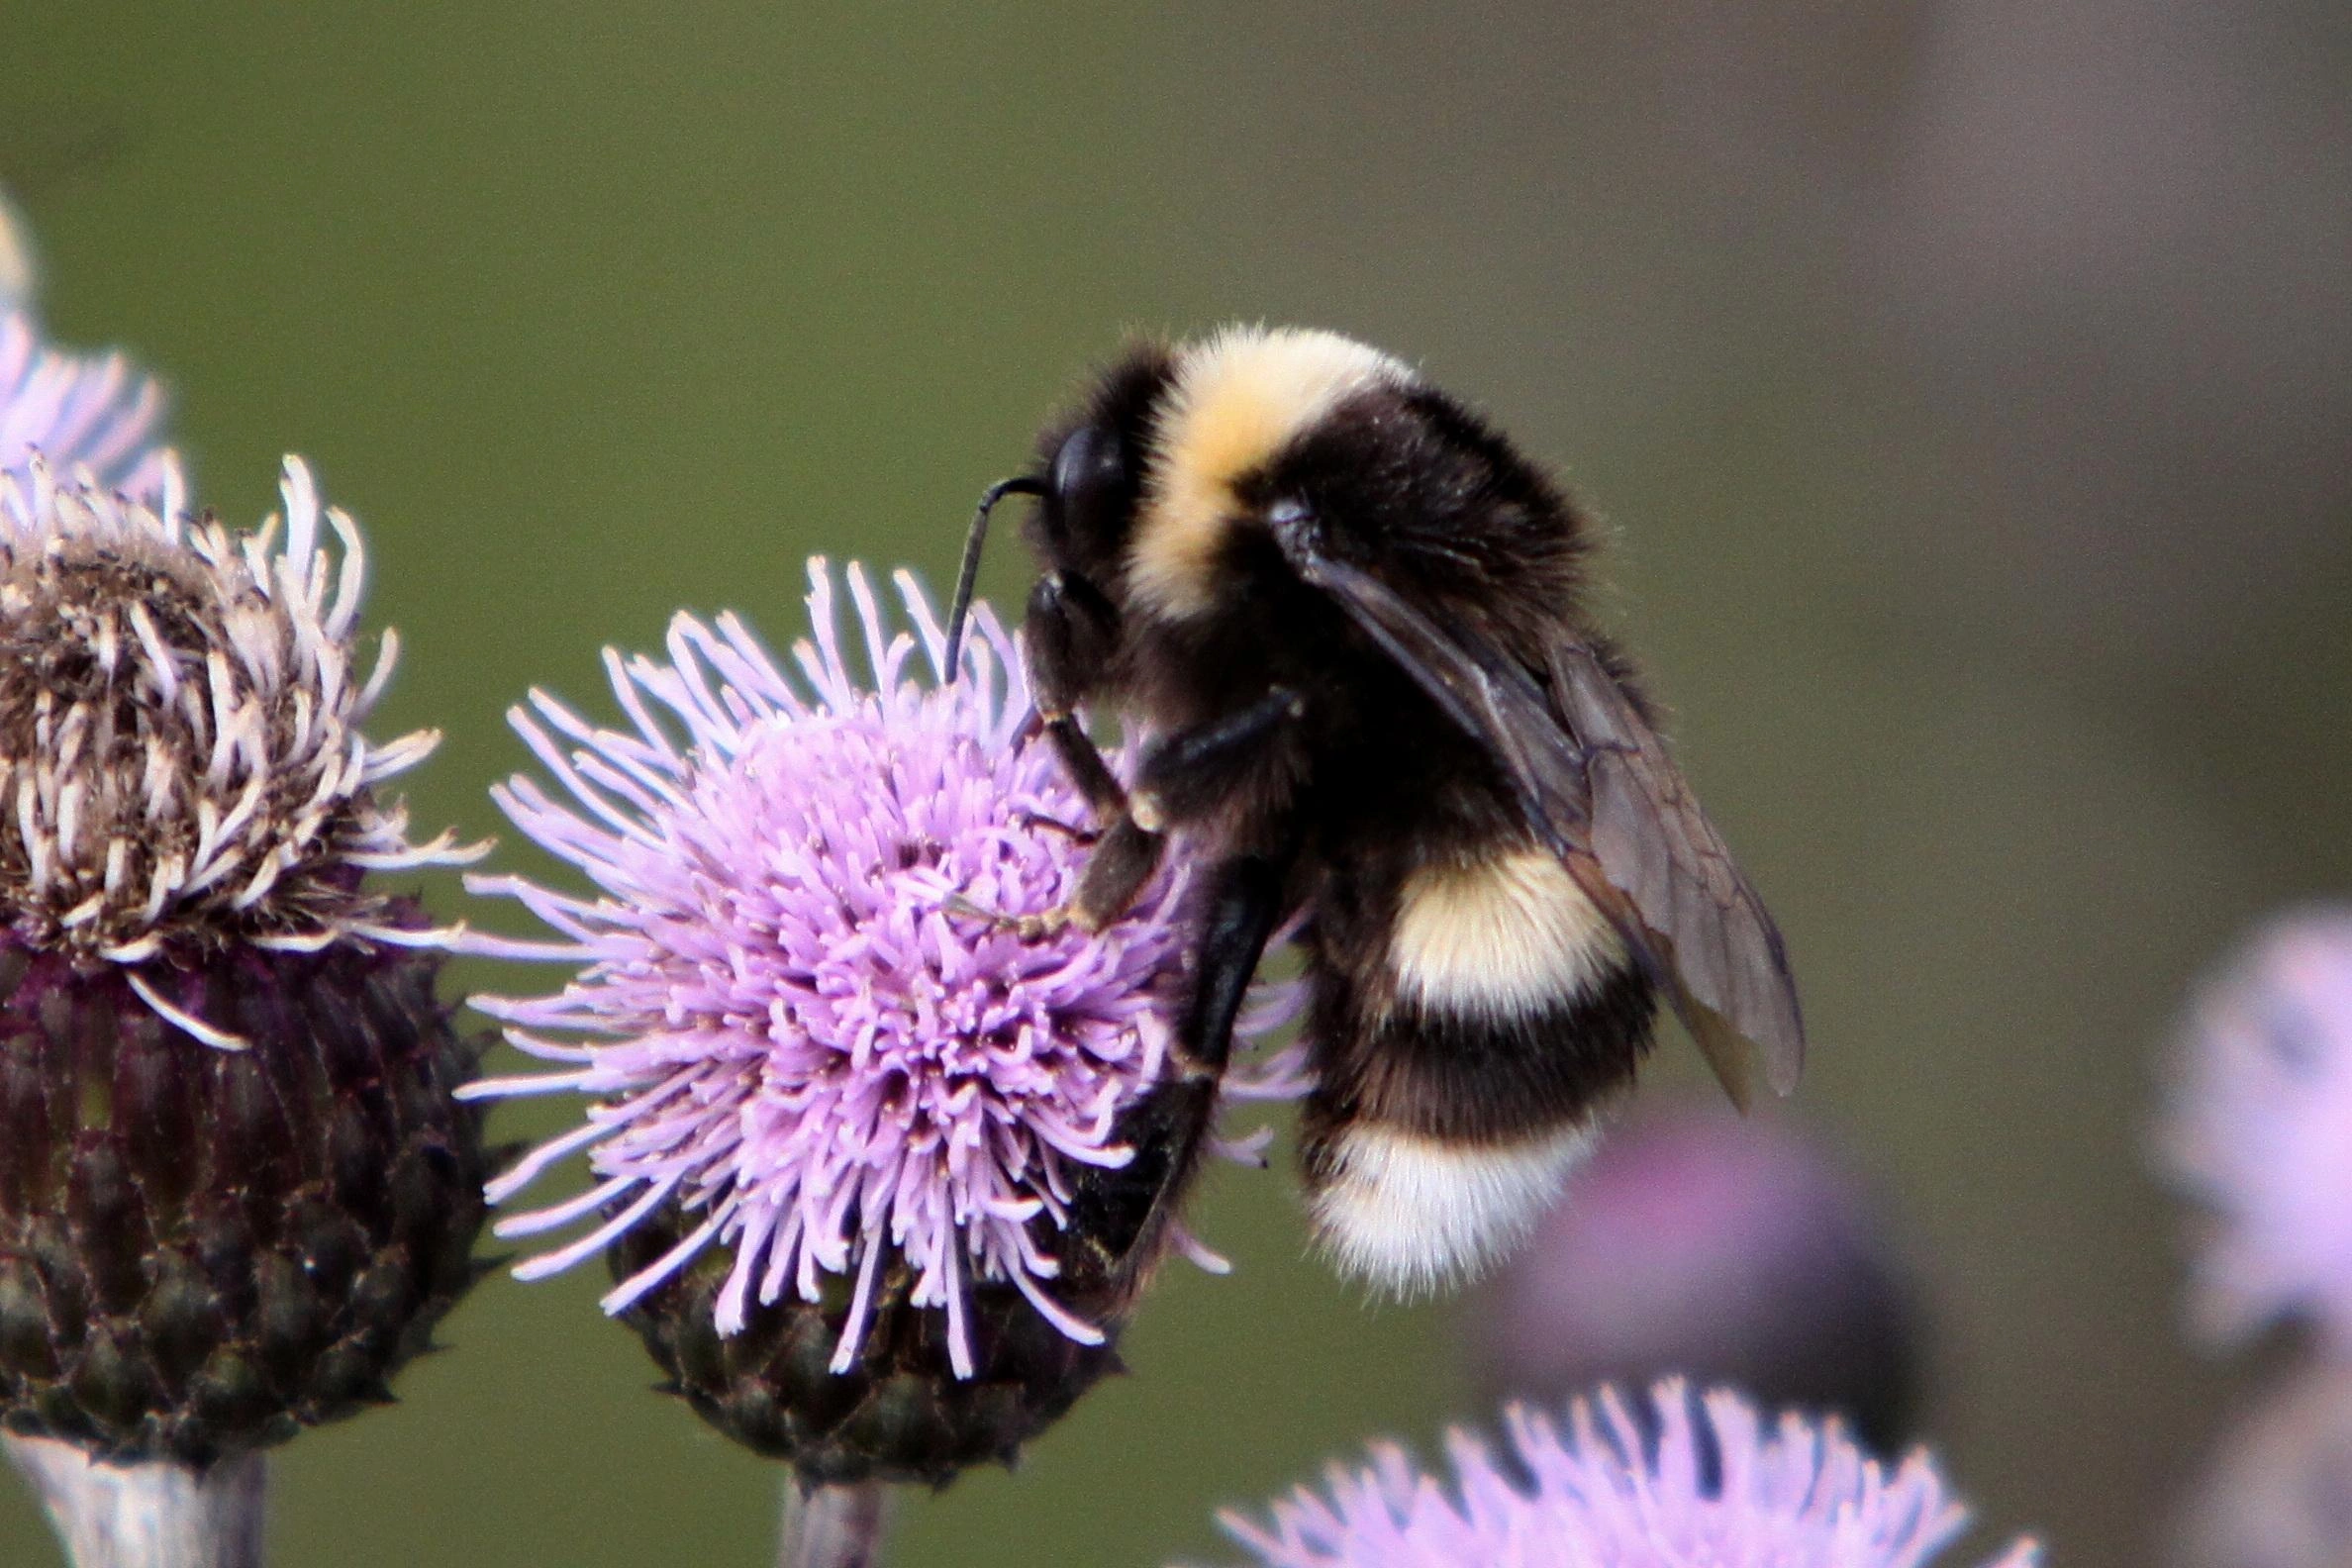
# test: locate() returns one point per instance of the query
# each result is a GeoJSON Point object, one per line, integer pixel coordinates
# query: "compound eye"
{"type": "Point", "coordinates": [1088, 486]}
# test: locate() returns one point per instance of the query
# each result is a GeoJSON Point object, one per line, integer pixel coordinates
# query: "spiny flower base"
{"type": "Point", "coordinates": [898, 1413]}
{"type": "Point", "coordinates": [203, 1252]}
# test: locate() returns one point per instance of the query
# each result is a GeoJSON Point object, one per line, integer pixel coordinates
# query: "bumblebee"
{"type": "Point", "coordinates": [1346, 612]}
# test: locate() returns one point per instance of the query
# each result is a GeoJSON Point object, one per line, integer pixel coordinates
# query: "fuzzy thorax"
{"type": "Point", "coordinates": [1238, 399]}
{"type": "Point", "coordinates": [181, 765]}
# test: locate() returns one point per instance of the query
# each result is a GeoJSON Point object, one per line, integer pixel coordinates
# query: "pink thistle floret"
{"type": "Point", "coordinates": [2257, 1127]}
{"type": "Point", "coordinates": [784, 1027]}
{"type": "Point", "coordinates": [93, 414]}
{"type": "Point", "coordinates": [1682, 1488]}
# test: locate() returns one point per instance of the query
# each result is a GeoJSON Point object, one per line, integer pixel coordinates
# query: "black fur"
{"type": "Point", "coordinates": [1464, 1079]}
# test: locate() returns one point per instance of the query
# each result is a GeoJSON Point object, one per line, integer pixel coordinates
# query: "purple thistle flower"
{"type": "Point", "coordinates": [788, 1036]}
{"type": "Point", "coordinates": [79, 413]}
{"type": "Point", "coordinates": [1670, 1486]}
{"type": "Point", "coordinates": [2257, 1127]}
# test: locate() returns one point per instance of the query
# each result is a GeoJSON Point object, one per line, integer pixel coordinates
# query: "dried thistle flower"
{"type": "Point", "coordinates": [236, 1189]}
{"type": "Point", "coordinates": [1661, 1487]}
{"type": "Point", "coordinates": [844, 1140]}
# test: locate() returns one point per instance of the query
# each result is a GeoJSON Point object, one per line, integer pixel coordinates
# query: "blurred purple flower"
{"type": "Point", "coordinates": [1664, 1486]}
{"type": "Point", "coordinates": [1728, 1250]}
{"type": "Point", "coordinates": [2277, 1492]}
{"type": "Point", "coordinates": [2257, 1127]}
{"type": "Point", "coordinates": [95, 413]}
{"type": "Point", "coordinates": [785, 1032]}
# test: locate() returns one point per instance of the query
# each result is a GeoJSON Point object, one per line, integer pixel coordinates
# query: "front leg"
{"type": "Point", "coordinates": [1067, 637]}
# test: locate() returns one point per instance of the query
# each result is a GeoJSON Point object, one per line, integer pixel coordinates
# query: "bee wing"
{"type": "Point", "coordinates": [1494, 697]}
{"type": "Point", "coordinates": [1656, 846]}
{"type": "Point", "coordinates": [1595, 779]}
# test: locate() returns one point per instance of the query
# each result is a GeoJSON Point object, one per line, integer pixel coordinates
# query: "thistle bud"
{"type": "Point", "coordinates": [842, 1138]}
{"type": "Point", "coordinates": [236, 1188]}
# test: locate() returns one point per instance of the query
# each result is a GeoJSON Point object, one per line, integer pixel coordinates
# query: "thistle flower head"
{"type": "Point", "coordinates": [794, 1041]}
{"type": "Point", "coordinates": [181, 765]}
{"type": "Point", "coordinates": [2257, 1127]}
{"type": "Point", "coordinates": [203, 1250]}
{"type": "Point", "coordinates": [81, 412]}
{"type": "Point", "coordinates": [1619, 1488]}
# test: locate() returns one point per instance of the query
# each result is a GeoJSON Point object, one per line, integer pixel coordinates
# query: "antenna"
{"type": "Point", "coordinates": [1024, 484]}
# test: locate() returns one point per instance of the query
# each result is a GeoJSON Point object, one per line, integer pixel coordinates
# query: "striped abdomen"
{"type": "Point", "coordinates": [1465, 1047]}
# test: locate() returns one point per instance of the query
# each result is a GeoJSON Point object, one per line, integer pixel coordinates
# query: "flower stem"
{"type": "Point", "coordinates": [833, 1526]}
{"type": "Point", "coordinates": [150, 1514]}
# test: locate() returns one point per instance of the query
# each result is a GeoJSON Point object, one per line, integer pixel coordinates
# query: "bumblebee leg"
{"type": "Point", "coordinates": [1105, 795]}
{"type": "Point", "coordinates": [1122, 861]}
{"type": "Point", "coordinates": [1068, 634]}
{"type": "Point", "coordinates": [1120, 1216]}
{"type": "Point", "coordinates": [1039, 822]}
{"type": "Point", "coordinates": [1186, 774]}
{"type": "Point", "coordinates": [1183, 777]}
{"type": "Point", "coordinates": [1243, 906]}
{"type": "Point", "coordinates": [1067, 637]}
{"type": "Point", "coordinates": [1118, 865]}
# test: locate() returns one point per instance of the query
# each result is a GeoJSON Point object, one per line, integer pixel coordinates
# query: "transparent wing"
{"type": "Point", "coordinates": [1595, 781]}
{"type": "Point", "coordinates": [1656, 844]}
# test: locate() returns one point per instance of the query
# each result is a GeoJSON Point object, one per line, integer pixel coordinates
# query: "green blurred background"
{"type": "Point", "coordinates": [1966, 383]}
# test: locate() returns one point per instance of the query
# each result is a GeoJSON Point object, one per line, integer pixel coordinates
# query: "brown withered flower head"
{"type": "Point", "coordinates": [236, 1186]}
